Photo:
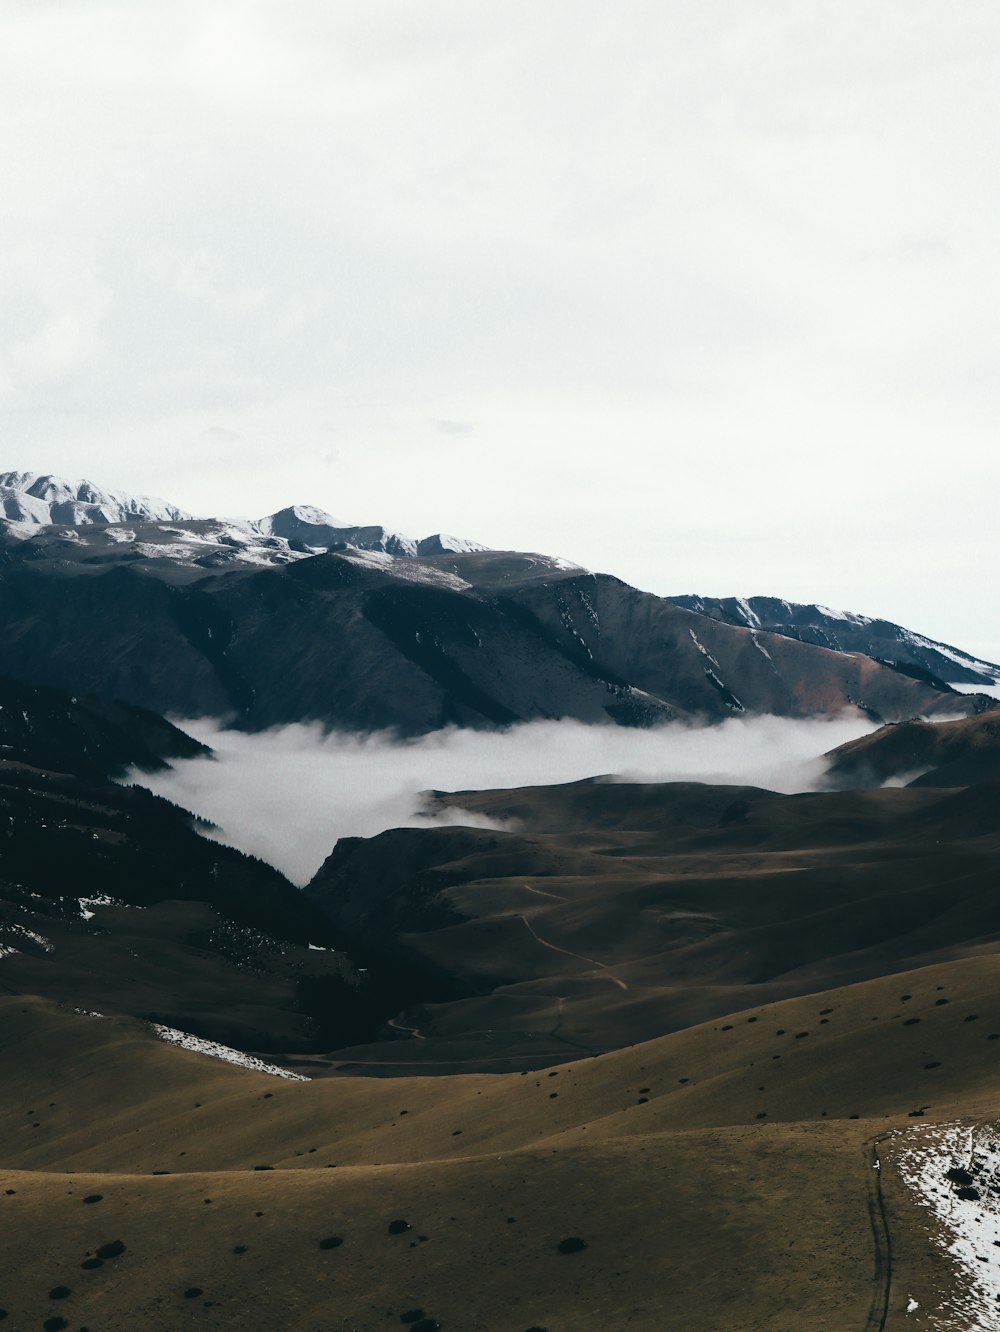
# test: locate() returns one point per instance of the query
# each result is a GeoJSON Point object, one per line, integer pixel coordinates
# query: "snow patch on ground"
{"type": "Point", "coordinates": [200, 1046]}
{"type": "Point", "coordinates": [402, 568]}
{"type": "Point", "coordinates": [103, 900]}
{"type": "Point", "coordinates": [966, 1209]}
{"type": "Point", "coordinates": [761, 648]}
{"type": "Point", "coordinates": [848, 616]}
{"type": "Point", "coordinates": [702, 648]}
{"type": "Point", "coordinates": [23, 932]}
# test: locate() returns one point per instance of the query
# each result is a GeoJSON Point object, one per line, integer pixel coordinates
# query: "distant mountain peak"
{"type": "Point", "coordinates": [41, 499]}
{"type": "Point", "coordinates": [30, 501]}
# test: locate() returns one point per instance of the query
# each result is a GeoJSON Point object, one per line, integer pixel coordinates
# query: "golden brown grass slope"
{"type": "Point", "coordinates": [717, 1177]}
{"type": "Point", "coordinates": [601, 914]}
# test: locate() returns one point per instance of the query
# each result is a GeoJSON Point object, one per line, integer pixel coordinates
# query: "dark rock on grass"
{"type": "Point", "coordinates": [94, 1198]}
{"type": "Point", "coordinates": [911, 1022]}
{"type": "Point", "coordinates": [92, 1264]}
{"type": "Point", "coordinates": [959, 1176]}
{"type": "Point", "coordinates": [399, 1227]}
{"type": "Point", "coordinates": [263, 1167]}
{"type": "Point", "coordinates": [973, 1017]}
{"type": "Point", "coordinates": [572, 1244]}
{"type": "Point", "coordinates": [113, 1250]}
{"type": "Point", "coordinates": [934, 1063]}
{"type": "Point", "coordinates": [240, 1248]}
{"type": "Point", "coordinates": [55, 1324]}
{"type": "Point", "coordinates": [426, 1325]}
{"type": "Point", "coordinates": [193, 1292]}
{"type": "Point", "coordinates": [60, 1293]}
{"type": "Point", "coordinates": [412, 1316]}
{"type": "Point", "coordinates": [331, 1242]}
{"type": "Point", "coordinates": [939, 1002]}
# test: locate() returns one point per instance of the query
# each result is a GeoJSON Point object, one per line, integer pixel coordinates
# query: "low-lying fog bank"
{"type": "Point", "coordinates": [287, 795]}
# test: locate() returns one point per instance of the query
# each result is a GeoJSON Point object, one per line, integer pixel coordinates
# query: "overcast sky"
{"type": "Point", "coordinates": [702, 294]}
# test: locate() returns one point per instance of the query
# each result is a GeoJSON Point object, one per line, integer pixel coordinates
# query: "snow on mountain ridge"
{"type": "Point", "coordinates": [43, 499]}
{"type": "Point", "coordinates": [846, 631]}
{"type": "Point", "coordinates": [33, 500]}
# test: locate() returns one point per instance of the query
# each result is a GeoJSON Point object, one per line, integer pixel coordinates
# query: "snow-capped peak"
{"type": "Point", "coordinates": [33, 500]}
{"type": "Point", "coordinates": [42, 500]}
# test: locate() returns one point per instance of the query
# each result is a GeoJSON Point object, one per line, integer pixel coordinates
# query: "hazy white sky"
{"type": "Point", "coordinates": [705, 295]}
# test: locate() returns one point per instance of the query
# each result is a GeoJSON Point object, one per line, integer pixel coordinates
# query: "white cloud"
{"type": "Point", "coordinates": [287, 795]}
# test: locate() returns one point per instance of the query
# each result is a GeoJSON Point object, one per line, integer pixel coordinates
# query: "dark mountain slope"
{"type": "Point", "coordinates": [704, 665]}
{"type": "Point", "coordinates": [111, 899]}
{"type": "Point", "coordinates": [363, 641]}
{"type": "Point", "coordinates": [87, 736]}
{"type": "Point", "coordinates": [843, 631]}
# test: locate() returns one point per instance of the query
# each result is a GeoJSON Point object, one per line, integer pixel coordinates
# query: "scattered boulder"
{"type": "Point", "coordinates": [572, 1244]}
{"type": "Point", "coordinates": [399, 1227]}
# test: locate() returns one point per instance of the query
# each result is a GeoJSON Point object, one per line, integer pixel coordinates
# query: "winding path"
{"type": "Point", "coordinates": [878, 1314]}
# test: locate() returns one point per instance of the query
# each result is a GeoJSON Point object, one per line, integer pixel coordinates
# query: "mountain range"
{"type": "Point", "coordinates": [203, 617]}
{"type": "Point", "coordinates": [97, 520]}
